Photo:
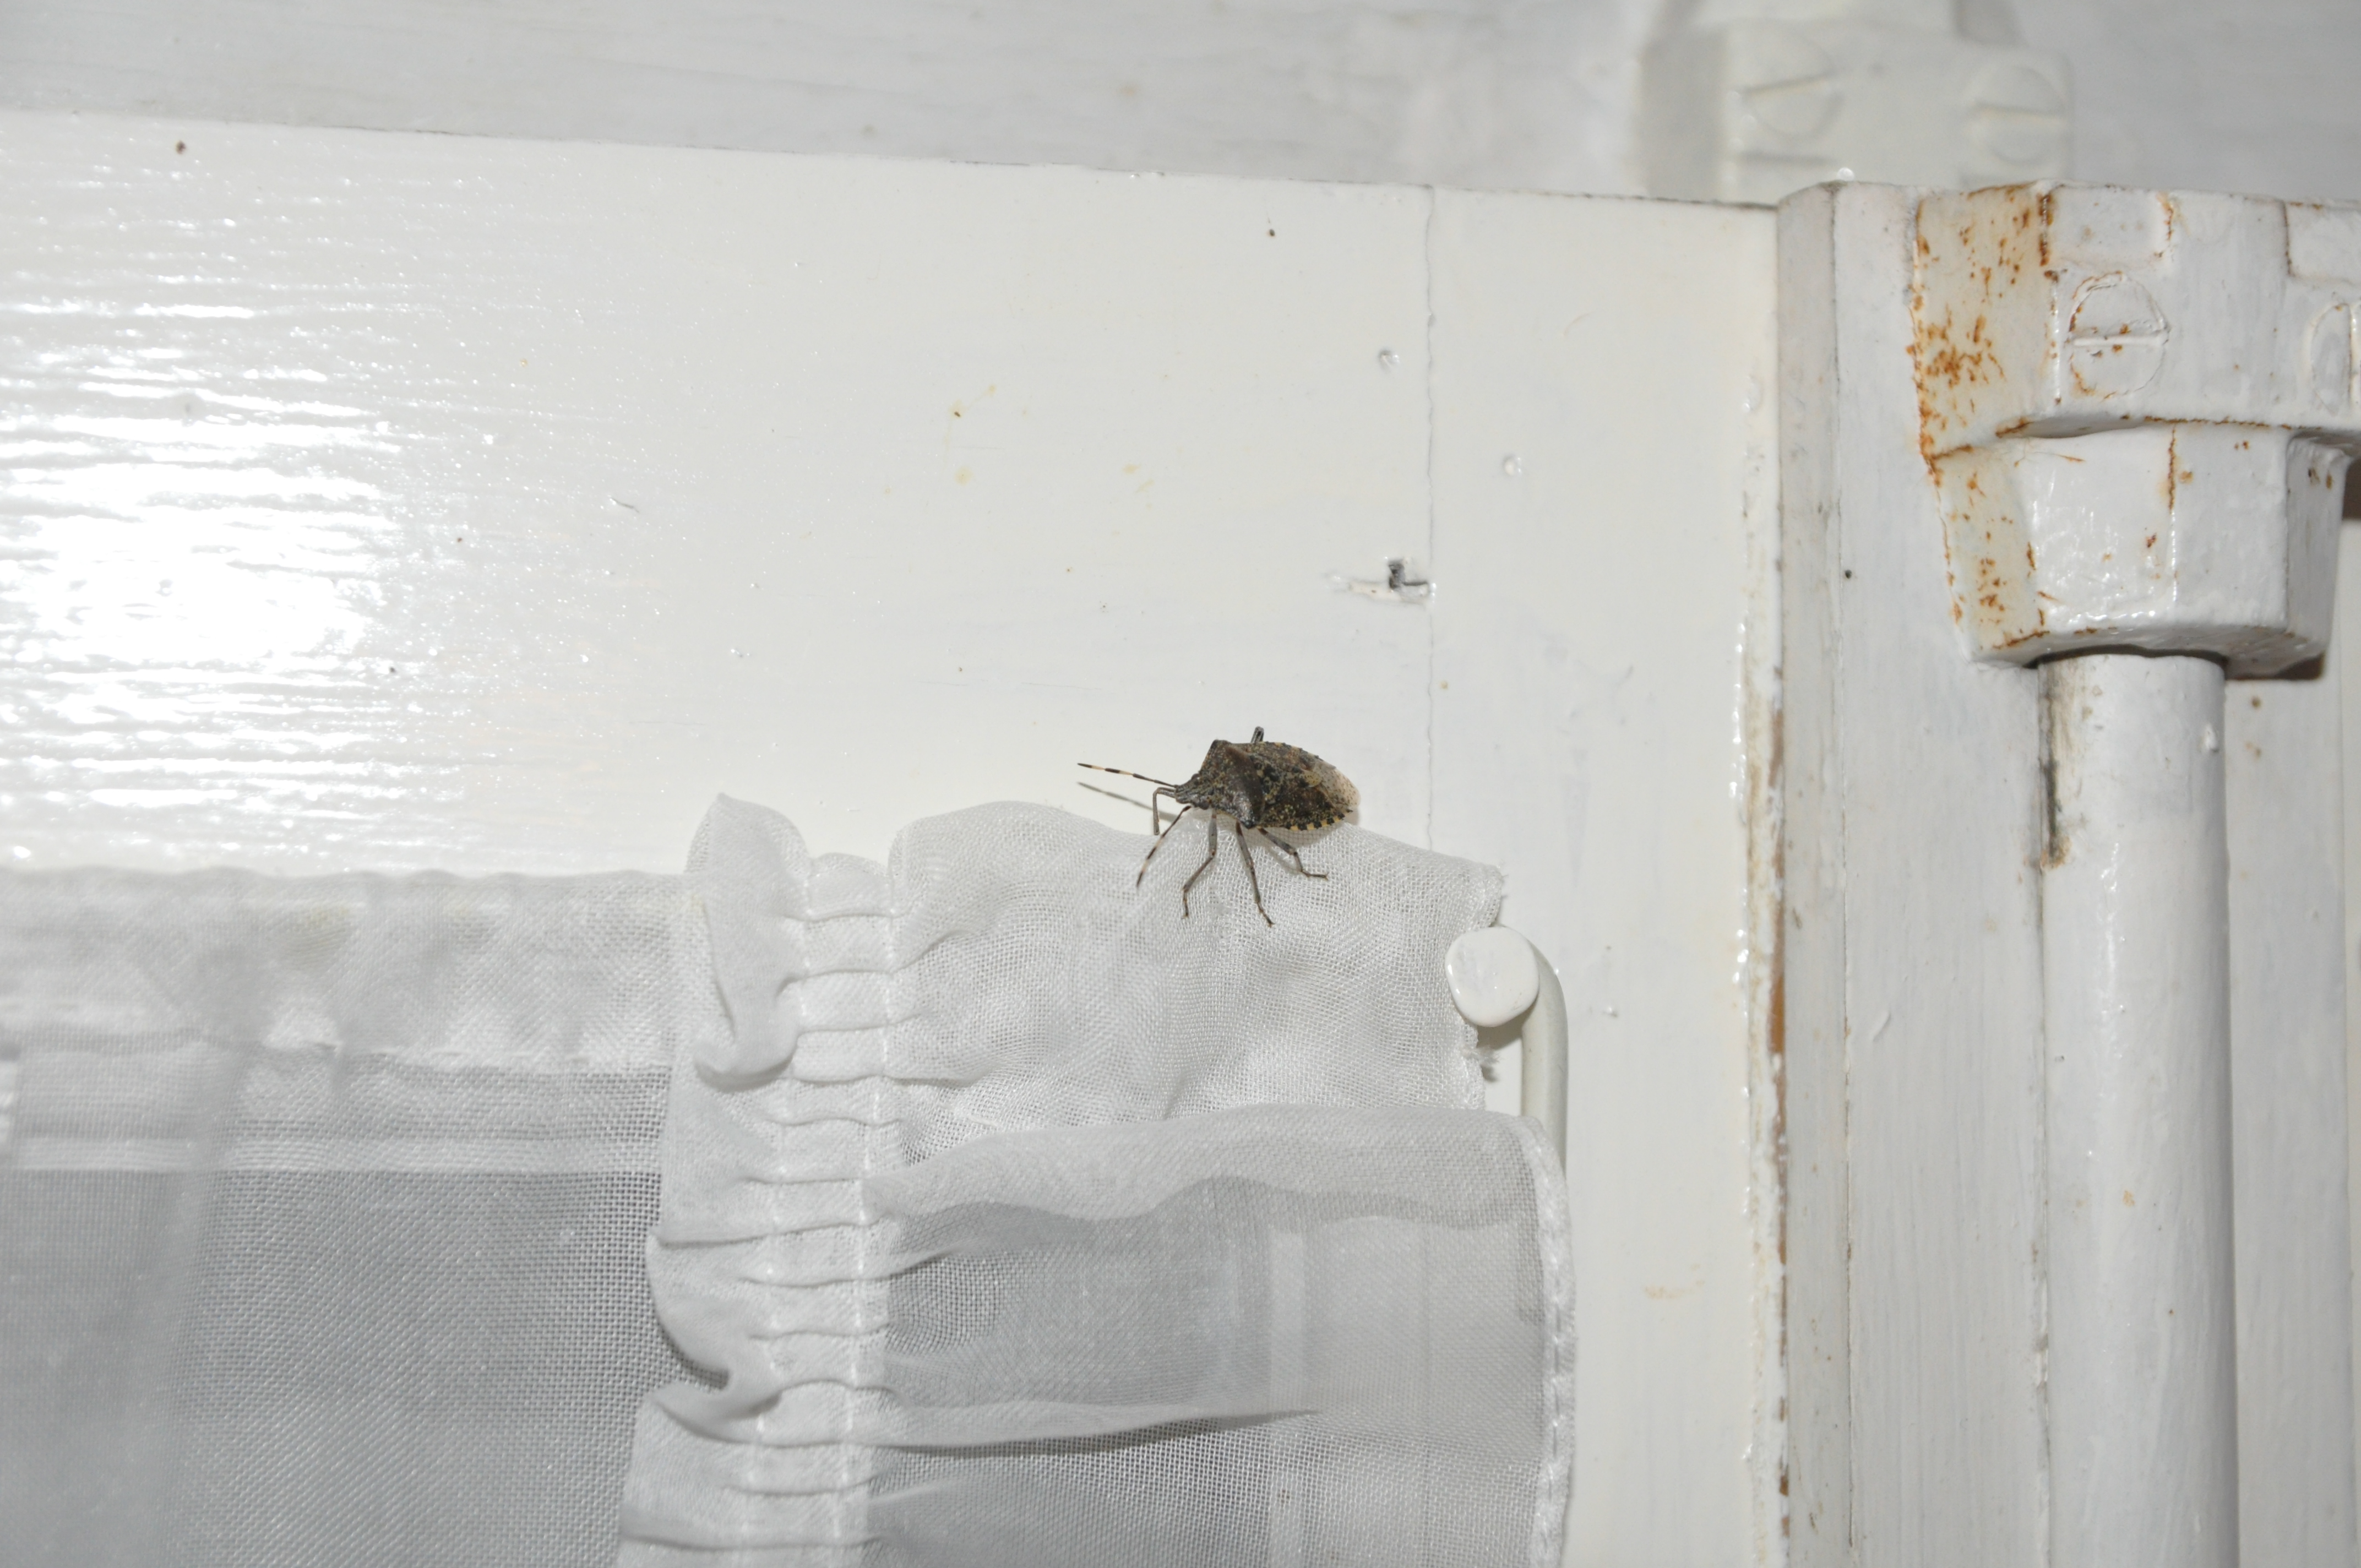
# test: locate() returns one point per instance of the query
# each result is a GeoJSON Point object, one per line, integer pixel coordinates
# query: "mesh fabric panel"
{"type": "Point", "coordinates": [321, 1210]}
{"type": "Point", "coordinates": [1279, 1335]}
{"type": "Point", "coordinates": [973, 1208]}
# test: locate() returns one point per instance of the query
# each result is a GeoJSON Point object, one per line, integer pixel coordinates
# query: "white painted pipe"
{"type": "Point", "coordinates": [2142, 1368]}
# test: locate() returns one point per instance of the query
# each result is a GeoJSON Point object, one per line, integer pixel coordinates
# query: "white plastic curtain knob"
{"type": "Point", "coordinates": [1494, 975]}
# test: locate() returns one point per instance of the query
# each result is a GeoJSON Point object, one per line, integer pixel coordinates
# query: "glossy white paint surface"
{"type": "Point", "coordinates": [2345, 654]}
{"type": "Point", "coordinates": [409, 502]}
{"type": "Point", "coordinates": [1913, 957]}
{"type": "Point", "coordinates": [391, 501]}
{"type": "Point", "coordinates": [2136, 406]}
{"type": "Point", "coordinates": [1604, 629]}
{"type": "Point", "coordinates": [2283, 796]}
{"type": "Point", "coordinates": [2133, 404]}
{"type": "Point", "coordinates": [1972, 1350]}
{"type": "Point", "coordinates": [2135, 951]}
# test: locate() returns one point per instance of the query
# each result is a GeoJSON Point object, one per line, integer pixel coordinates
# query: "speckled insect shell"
{"type": "Point", "coordinates": [1267, 783]}
{"type": "Point", "coordinates": [1260, 785]}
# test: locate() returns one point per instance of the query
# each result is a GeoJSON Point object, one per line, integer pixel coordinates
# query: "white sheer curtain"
{"type": "Point", "coordinates": [973, 1207]}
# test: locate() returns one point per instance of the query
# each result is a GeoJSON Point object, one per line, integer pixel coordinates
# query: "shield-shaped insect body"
{"type": "Point", "coordinates": [1255, 783]}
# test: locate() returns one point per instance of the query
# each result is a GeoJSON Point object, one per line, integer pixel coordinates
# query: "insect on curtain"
{"type": "Point", "coordinates": [975, 1207]}
{"type": "Point", "coordinates": [1261, 784]}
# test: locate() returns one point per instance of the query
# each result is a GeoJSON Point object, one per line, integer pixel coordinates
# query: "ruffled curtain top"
{"type": "Point", "coordinates": [899, 1352]}
{"type": "Point", "coordinates": [992, 1212]}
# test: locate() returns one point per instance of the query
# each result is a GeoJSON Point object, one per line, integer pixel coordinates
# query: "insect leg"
{"type": "Point", "coordinates": [1247, 855]}
{"type": "Point", "coordinates": [1157, 845]}
{"type": "Point", "coordinates": [1212, 847]}
{"type": "Point", "coordinates": [1283, 847]}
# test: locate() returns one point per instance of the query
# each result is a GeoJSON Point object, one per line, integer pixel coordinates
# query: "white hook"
{"type": "Point", "coordinates": [1495, 975]}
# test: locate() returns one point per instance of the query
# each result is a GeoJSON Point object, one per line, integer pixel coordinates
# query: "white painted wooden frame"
{"type": "Point", "coordinates": [1914, 1015]}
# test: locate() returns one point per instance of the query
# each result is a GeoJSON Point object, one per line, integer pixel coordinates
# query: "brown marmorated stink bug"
{"type": "Point", "coordinates": [1259, 784]}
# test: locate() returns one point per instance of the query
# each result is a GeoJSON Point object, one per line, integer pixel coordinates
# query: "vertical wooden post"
{"type": "Point", "coordinates": [1912, 791]}
{"type": "Point", "coordinates": [2105, 429]}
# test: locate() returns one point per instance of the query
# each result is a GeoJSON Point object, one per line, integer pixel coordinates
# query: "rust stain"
{"type": "Point", "coordinates": [1971, 254]}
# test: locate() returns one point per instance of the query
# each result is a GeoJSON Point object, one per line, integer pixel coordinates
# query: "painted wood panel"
{"type": "Point", "coordinates": [2345, 650]}
{"type": "Point", "coordinates": [393, 502]}
{"type": "Point", "coordinates": [2283, 799]}
{"type": "Point", "coordinates": [1604, 643]}
{"type": "Point", "coordinates": [410, 501]}
{"type": "Point", "coordinates": [1913, 1008]}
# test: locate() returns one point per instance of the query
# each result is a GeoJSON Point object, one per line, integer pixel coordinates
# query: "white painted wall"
{"type": "Point", "coordinates": [1532, 94]}
{"type": "Point", "coordinates": [397, 501]}
{"type": "Point", "coordinates": [2256, 97]}
{"type": "Point", "coordinates": [1604, 486]}
{"type": "Point", "coordinates": [1514, 93]}
{"type": "Point", "coordinates": [510, 501]}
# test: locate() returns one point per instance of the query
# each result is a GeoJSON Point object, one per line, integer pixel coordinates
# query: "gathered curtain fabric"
{"type": "Point", "coordinates": [973, 1207]}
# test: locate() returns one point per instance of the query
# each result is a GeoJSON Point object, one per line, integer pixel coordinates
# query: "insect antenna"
{"type": "Point", "coordinates": [1155, 801]}
{"type": "Point", "coordinates": [1097, 767]}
